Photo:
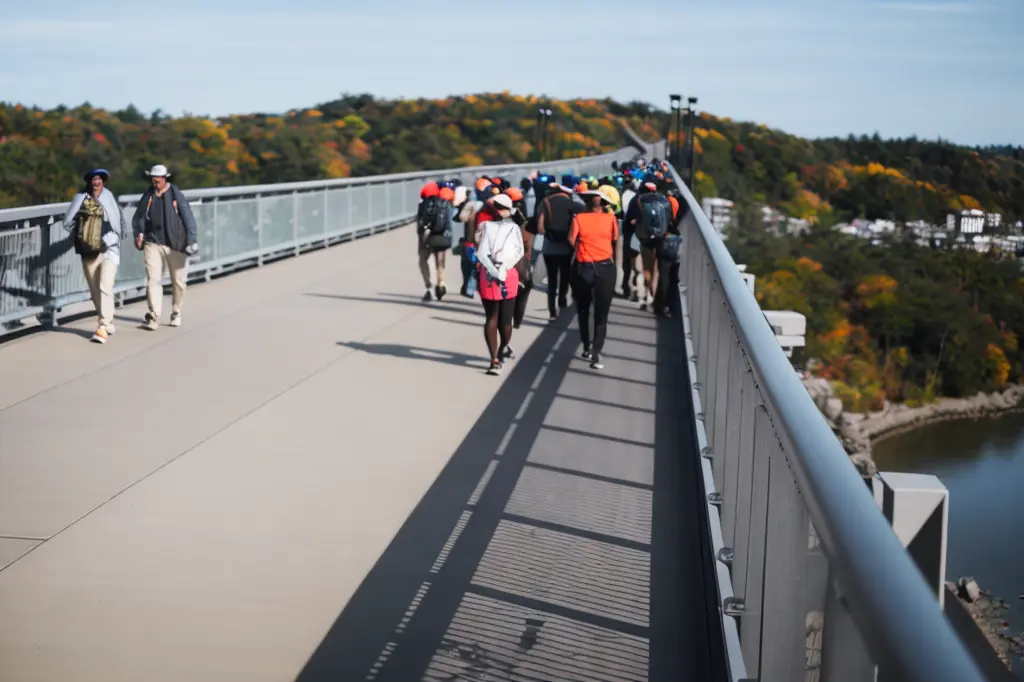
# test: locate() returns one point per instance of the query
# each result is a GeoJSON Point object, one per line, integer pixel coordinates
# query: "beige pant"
{"type": "Point", "coordinates": [424, 257]}
{"type": "Point", "coordinates": [157, 258]}
{"type": "Point", "coordinates": [100, 274]}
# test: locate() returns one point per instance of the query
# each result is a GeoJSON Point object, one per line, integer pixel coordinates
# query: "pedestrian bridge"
{"type": "Point", "coordinates": [313, 479]}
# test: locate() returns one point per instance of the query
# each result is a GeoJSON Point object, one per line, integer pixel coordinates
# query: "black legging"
{"type": "Point", "coordinates": [498, 323]}
{"type": "Point", "coordinates": [520, 307]}
{"type": "Point", "coordinates": [558, 268]}
{"type": "Point", "coordinates": [600, 292]}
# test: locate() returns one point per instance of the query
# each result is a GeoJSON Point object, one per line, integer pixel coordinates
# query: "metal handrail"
{"type": "Point", "coordinates": [896, 613]}
{"type": "Point", "coordinates": [40, 264]}
{"type": "Point", "coordinates": [26, 212]}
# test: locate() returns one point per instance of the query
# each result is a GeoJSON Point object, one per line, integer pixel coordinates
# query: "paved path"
{"type": "Point", "coordinates": [313, 479]}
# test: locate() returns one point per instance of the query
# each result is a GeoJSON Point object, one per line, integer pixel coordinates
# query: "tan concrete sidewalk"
{"type": "Point", "coordinates": [200, 503]}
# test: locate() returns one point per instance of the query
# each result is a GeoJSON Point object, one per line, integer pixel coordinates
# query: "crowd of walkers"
{"type": "Point", "coordinates": [580, 227]}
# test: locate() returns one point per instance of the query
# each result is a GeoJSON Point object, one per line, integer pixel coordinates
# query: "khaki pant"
{"type": "Point", "coordinates": [158, 257]}
{"type": "Point", "coordinates": [439, 259]}
{"type": "Point", "coordinates": [100, 274]}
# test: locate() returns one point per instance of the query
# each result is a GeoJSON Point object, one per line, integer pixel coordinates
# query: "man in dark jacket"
{"type": "Point", "coordinates": [165, 230]}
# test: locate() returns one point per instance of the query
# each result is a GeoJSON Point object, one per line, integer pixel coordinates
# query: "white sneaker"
{"type": "Point", "coordinates": [152, 322]}
{"type": "Point", "coordinates": [175, 319]}
{"type": "Point", "coordinates": [110, 329]}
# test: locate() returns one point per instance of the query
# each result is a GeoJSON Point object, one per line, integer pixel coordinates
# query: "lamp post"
{"type": "Point", "coordinates": [674, 125]}
{"type": "Point", "coordinates": [548, 134]}
{"type": "Point", "coordinates": [691, 102]}
{"type": "Point", "coordinates": [538, 138]}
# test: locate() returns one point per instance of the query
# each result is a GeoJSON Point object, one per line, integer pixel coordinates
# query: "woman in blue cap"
{"type": "Point", "coordinates": [97, 224]}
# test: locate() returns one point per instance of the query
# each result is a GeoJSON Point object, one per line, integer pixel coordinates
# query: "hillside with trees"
{"type": "Point", "coordinates": [44, 153]}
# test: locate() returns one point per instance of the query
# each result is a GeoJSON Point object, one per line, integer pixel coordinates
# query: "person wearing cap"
{"type": "Point", "coordinates": [519, 217]}
{"type": "Point", "coordinates": [99, 224]}
{"type": "Point", "coordinates": [431, 244]}
{"type": "Point", "coordinates": [632, 261]}
{"type": "Point", "coordinates": [593, 236]}
{"type": "Point", "coordinates": [499, 249]}
{"type": "Point", "coordinates": [165, 230]}
{"type": "Point", "coordinates": [554, 221]}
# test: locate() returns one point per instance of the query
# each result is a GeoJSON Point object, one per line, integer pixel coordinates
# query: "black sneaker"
{"type": "Point", "coordinates": [440, 290]}
{"type": "Point", "coordinates": [508, 354]}
{"type": "Point", "coordinates": [595, 363]}
{"type": "Point", "coordinates": [427, 297]}
{"type": "Point", "coordinates": [586, 354]}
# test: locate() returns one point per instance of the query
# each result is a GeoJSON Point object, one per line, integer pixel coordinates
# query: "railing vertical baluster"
{"type": "Point", "coordinates": [765, 446]}
{"type": "Point", "coordinates": [783, 620]}
{"type": "Point", "coordinates": [732, 406]}
{"type": "Point", "coordinates": [747, 409]}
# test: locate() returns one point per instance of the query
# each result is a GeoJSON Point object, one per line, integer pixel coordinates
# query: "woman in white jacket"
{"type": "Point", "coordinates": [500, 247]}
{"type": "Point", "coordinates": [97, 223]}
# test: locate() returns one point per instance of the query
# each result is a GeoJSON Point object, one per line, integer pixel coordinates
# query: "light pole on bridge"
{"type": "Point", "coordinates": [691, 102]}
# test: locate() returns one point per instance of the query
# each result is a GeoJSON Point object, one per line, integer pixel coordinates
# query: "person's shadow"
{"type": "Point", "coordinates": [398, 350]}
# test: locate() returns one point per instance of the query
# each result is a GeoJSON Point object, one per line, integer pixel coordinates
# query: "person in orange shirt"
{"type": "Point", "coordinates": [593, 235]}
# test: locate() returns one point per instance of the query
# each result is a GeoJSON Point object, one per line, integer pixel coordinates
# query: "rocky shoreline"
{"type": "Point", "coordinates": [856, 431]}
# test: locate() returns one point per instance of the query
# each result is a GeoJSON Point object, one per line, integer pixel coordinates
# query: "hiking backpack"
{"type": "Point", "coordinates": [655, 217]}
{"type": "Point", "coordinates": [89, 228]}
{"type": "Point", "coordinates": [434, 215]}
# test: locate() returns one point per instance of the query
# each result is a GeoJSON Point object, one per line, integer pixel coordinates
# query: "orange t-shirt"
{"type": "Point", "coordinates": [594, 235]}
{"type": "Point", "coordinates": [675, 206]}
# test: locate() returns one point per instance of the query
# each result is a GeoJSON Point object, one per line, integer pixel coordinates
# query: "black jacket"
{"type": "Point", "coordinates": [180, 224]}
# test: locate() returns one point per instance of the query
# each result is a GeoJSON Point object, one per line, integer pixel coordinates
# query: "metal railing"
{"type": "Point", "coordinates": [236, 226]}
{"type": "Point", "coordinates": [812, 582]}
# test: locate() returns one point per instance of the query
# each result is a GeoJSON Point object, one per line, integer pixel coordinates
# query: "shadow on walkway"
{"type": "Point", "coordinates": [544, 551]}
{"type": "Point", "coordinates": [419, 353]}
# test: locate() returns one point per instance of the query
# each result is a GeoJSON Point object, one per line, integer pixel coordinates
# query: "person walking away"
{"type": "Point", "coordinates": [434, 235]}
{"type": "Point", "coordinates": [165, 230]}
{"type": "Point", "coordinates": [631, 271]}
{"type": "Point", "coordinates": [593, 236]}
{"type": "Point", "coordinates": [499, 248]}
{"type": "Point", "coordinates": [554, 220]}
{"type": "Point", "coordinates": [524, 267]}
{"type": "Point", "coordinates": [98, 224]}
{"type": "Point", "coordinates": [653, 223]}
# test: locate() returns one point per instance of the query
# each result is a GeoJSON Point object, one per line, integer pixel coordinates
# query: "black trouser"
{"type": "Point", "coordinates": [666, 268]}
{"type": "Point", "coordinates": [521, 299]}
{"type": "Point", "coordinates": [628, 257]}
{"type": "Point", "coordinates": [599, 291]}
{"type": "Point", "coordinates": [558, 268]}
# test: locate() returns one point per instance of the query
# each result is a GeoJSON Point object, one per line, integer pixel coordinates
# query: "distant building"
{"type": "Point", "coordinates": [719, 212]}
{"type": "Point", "coordinates": [790, 329]}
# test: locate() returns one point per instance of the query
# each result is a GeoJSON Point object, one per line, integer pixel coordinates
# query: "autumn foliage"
{"type": "Point", "coordinates": [44, 153]}
{"type": "Point", "coordinates": [896, 321]}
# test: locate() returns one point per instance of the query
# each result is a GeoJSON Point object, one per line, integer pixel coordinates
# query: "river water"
{"type": "Point", "coordinates": [981, 463]}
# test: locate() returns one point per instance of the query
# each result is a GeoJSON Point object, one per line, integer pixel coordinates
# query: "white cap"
{"type": "Point", "coordinates": [158, 171]}
{"type": "Point", "coordinates": [504, 201]}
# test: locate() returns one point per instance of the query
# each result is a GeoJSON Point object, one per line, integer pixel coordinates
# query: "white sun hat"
{"type": "Point", "coordinates": [158, 171]}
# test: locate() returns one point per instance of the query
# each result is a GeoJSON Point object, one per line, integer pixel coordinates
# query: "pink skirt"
{"type": "Point", "coordinates": [490, 290]}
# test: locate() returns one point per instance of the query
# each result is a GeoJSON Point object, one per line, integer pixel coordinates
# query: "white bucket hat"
{"type": "Point", "coordinates": [158, 171]}
{"type": "Point", "coordinates": [504, 201]}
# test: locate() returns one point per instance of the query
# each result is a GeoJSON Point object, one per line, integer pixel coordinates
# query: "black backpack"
{"type": "Point", "coordinates": [557, 230]}
{"type": "Point", "coordinates": [434, 214]}
{"type": "Point", "coordinates": [655, 217]}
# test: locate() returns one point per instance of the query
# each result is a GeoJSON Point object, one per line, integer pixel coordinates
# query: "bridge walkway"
{"type": "Point", "coordinates": [314, 479]}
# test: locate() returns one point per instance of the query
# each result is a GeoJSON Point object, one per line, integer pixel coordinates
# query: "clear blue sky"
{"type": "Point", "coordinates": [950, 68]}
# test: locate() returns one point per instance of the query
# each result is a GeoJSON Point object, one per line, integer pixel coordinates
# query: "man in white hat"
{"type": "Point", "coordinates": [165, 230]}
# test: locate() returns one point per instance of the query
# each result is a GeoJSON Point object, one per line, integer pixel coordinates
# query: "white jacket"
{"type": "Point", "coordinates": [500, 247]}
{"type": "Point", "coordinates": [112, 213]}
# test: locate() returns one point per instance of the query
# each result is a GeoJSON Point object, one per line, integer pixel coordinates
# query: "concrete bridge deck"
{"type": "Point", "coordinates": [314, 479]}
